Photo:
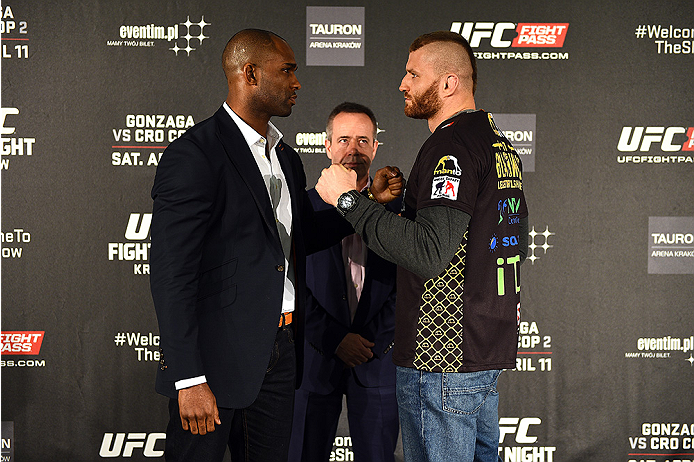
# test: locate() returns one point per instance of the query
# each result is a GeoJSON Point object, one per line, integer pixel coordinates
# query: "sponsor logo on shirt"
{"type": "Point", "coordinates": [508, 210]}
{"type": "Point", "coordinates": [444, 185]}
{"type": "Point", "coordinates": [447, 165]}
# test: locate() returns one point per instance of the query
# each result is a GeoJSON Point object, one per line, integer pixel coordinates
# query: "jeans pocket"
{"type": "Point", "coordinates": [274, 356]}
{"type": "Point", "coordinates": [466, 396]}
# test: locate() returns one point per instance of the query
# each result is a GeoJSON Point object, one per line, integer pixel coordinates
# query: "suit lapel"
{"type": "Point", "coordinates": [241, 157]}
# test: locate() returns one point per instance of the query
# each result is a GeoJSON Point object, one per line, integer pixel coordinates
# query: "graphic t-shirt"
{"type": "Point", "coordinates": [466, 318]}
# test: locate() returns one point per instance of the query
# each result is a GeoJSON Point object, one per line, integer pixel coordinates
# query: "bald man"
{"type": "Point", "coordinates": [231, 228]}
{"type": "Point", "coordinates": [459, 244]}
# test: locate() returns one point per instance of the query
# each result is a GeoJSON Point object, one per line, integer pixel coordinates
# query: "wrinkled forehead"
{"type": "Point", "coordinates": [353, 124]}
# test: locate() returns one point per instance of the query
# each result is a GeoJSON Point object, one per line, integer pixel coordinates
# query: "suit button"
{"type": "Point", "coordinates": [344, 297]}
{"type": "Point", "coordinates": [279, 268]}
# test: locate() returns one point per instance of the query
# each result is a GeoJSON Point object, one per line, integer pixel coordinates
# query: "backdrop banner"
{"type": "Point", "coordinates": [596, 96]}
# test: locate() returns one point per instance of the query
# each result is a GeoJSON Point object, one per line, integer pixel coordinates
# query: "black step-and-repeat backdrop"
{"type": "Point", "coordinates": [596, 96]}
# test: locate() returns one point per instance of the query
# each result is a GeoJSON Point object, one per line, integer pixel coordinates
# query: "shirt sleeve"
{"type": "Point", "coordinates": [423, 246]}
{"type": "Point", "coordinates": [187, 383]}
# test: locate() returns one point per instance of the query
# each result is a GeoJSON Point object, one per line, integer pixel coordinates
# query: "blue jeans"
{"type": "Point", "coordinates": [448, 416]}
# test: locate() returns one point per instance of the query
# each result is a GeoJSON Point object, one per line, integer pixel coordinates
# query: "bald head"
{"type": "Point", "coordinates": [449, 52]}
{"type": "Point", "coordinates": [247, 46]}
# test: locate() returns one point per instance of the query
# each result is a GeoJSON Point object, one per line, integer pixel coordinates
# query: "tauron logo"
{"type": "Point", "coordinates": [529, 35]}
{"type": "Point", "coordinates": [670, 245]}
{"type": "Point", "coordinates": [335, 35]}
{"type": "Point", "coordinates": [520, 130]}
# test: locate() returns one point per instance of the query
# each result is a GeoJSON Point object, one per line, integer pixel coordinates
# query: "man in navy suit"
{"type": "Point", "coordinates": [231, 226]}
{"type": "Point", "coordinates": [350, 322]}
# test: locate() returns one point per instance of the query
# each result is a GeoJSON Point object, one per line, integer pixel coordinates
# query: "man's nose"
{"type": "Point", "coordinates": [402, 86]}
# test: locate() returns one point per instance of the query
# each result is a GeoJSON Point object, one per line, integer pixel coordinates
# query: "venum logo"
{"type": "Point", "coordinates": [124, 445]}
{"type": "Point", "coordinates": [137, 229]}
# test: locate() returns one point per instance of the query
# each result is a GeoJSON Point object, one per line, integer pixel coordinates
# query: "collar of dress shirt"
{"type": "Point", "coordinates": [249, 134]}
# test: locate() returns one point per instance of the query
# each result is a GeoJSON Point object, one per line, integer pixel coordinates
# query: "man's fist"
{"type": "Point", "coordinates": [334, 181]}
{"type": "Point", "coordinates": [388, 184]}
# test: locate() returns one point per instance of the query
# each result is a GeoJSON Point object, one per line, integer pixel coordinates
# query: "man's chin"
{"type": "Point", "coordinates": [286, 113]}
{"type": "Point", "coordinates": [414, 114]}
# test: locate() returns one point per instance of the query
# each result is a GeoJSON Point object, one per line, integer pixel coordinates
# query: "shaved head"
{"type": "Point", "coordinates": [449, 52]}
{"type": "Point", "coordinates": [247, 46]}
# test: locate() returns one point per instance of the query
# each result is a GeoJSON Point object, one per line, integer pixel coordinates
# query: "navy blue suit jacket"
{"type": "Point", "coordinates": [328, 318]}
{"type": "Point", "coordinates": [216, 262]}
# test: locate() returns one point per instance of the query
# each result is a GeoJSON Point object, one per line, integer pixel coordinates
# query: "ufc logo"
{"type": "Point", "coordinates": [4, 112]}
{"type": "Point", "coordinates": [641, 138]}
{"type": "Point", "coordinates": [519, 427]}
{"type": "Point", "coordinates": [138, 229]}
{"type": "Point", "coordinates": [115, 447]}
{"type": "Point", "coordinates": [474, 32]}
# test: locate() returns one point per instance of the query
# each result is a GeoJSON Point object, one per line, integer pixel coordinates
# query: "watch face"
{"type": "Point", "coordinates": [346, 201]}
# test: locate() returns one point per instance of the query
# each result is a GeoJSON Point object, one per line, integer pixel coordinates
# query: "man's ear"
{"type": "Point", "coordinates": [450, 84]}
{"type": "Point", "coordinates": [328, 145]}
{"type": "Point", "coordinates": [250, 74]}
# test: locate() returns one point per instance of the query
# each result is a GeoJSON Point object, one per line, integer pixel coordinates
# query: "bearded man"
{"type": "Point", "coordinates": [458, 244]}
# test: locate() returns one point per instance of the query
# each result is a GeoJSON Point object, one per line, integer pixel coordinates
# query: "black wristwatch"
{"type": "Point", "coordinates": [347, 201]}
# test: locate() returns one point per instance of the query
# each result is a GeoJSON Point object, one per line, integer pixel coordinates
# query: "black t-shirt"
{"type": "Point", "coordinates": [466, 318]}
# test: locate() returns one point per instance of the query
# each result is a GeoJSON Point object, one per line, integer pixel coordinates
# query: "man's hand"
{"type": "Point", "coordinates": [198, 409]}
{"type": "Point", "coordinates": [388, 184]}
{"type": "Point", "coordinates": [334, 181]}
{"type": "Point", "coordinates": [354, 350]}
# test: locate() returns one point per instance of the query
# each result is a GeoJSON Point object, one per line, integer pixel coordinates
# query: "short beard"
{"type": "Point", "coordinates": [426, 105]}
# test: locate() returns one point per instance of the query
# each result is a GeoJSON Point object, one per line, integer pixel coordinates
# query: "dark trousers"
{"type": "Point", "coordinates": [258, 433]}
{"type": "Point", "coordinates": [373, 422]}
